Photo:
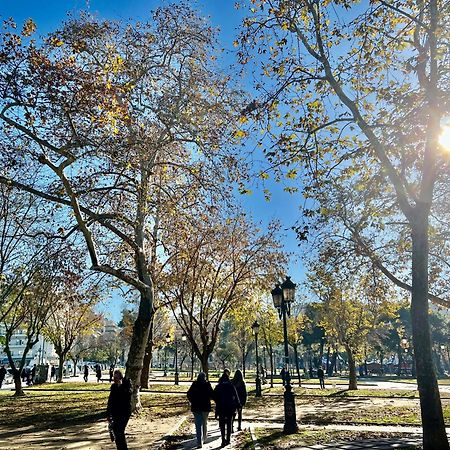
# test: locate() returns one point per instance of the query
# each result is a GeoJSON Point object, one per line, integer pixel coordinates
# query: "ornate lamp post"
{"type": "Point", "coordinates": [255, 328]}
{"type": "Point", "coordinates": [283, 295]}
{"type": "Point", "coordinates": [165, 353]}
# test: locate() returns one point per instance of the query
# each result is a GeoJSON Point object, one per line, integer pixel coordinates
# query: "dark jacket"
{"type": "Point", "coordinates": [241, 391]}
{"type": "Point", "coordinates": [226, 398]}
{"type": "Point", "coordinates": [119, 401]}
{"type": "Point", "coordinates": [2, 373]}
{"type": "Point", "coordinates": [320, 373]}
{"type": "Point", "coordinates": [200, 394]}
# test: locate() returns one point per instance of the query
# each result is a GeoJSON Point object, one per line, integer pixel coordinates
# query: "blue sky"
{"type": "Point", "coordinates": [49, 14]}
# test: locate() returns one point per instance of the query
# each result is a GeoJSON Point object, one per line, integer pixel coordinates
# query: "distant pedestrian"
{"type": "Point", "coordinates": [311, 371]}
{"type": "Point", "coordinates": [86, 373]}
{"type": "Point", "coordinates": [199, 395]}
{"type": "Point", "coordinates": [52, 373]}
{"type": "Point", "coordinates": [321, 377]}
{"type": "Point", "coordinates": [119, 408]}
{"type": "Point", "coordinates": [98, 372]}
{"type": "Point", "coordinates": [2, 375]}
{"type": "Point", "coordinates": [111, 374]}
{"type": "Point", "coordinates": [33, 374]}
{"type": "Point", "coordinates": [283, 375]}
{"type": "Point", "coordinates": [23, 375]}
{"type": "Point", "coordinates": [227, 402]}
{"type": "Point", "coordinates": [239, 383]}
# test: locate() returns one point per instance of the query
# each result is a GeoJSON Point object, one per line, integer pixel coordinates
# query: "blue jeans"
{"type": "Point", "coordinates": [201, 426]}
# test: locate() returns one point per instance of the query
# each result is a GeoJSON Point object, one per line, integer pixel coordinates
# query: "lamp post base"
{"type": "Point", "coordinates": [290, 416]}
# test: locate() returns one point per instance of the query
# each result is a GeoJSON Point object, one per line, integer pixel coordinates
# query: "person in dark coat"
{"type": "Point", "coordinates": [86, 373]}
{"type": "Point", "coordinates": [33, 374]}
{"type": "Point", "coordinates": [321, 377]}
{"type": "Point", "coordinates": [119, 408]}
{"type": "Point", "coordinates": [239, 383]}
{"type": "Point", "coordinates": [283, 375]}
{"type": "Point", "coordinates": [2, 375]}
{"type": "Point", "coordinates": [52, 373]}
{"type": "Point", "coordinates": [199, 395]}
{"type": "Point", "coordinates": [111, 373]}
{"type": "Point", "coordinates": [227, 402]}
{"type": "Point", "coordinates": [98, 372]}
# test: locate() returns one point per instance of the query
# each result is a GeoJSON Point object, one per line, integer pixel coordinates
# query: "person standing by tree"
{"type": "Point", "coordinates": [227, 402]}
{"type": "Point", "coordinates": [321, 377]}
{"type": "Point", "coordinates": [2, 375]}
{"type": "Point", "coordinates": [52, 373]}
{"type": "Point", "coordinates": [111, 373]}
{"type": "Point", "coordinates": [86, 373]}
{"type": "Point", "coordinates": [119, 408]}
{"type": "Point", "coordinates": [200, 394]}
{"type": "Point", "coordinates": [239, 384]}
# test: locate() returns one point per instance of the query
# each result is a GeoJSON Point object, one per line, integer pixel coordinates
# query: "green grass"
{"type": "Point", "coordinates": [44, 408]}
{"type": "Point", "coordinates": [276, 440]}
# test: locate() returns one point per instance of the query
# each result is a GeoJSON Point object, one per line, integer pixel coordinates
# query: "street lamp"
{"type": "Point", "coordinates": [255, 328]}
{"type": "Point", "coordinates": [283, 295]}
{"type": "Point", "coordinates": [183, 340]}
{"type": "Point", "coordinates": [165, 354]}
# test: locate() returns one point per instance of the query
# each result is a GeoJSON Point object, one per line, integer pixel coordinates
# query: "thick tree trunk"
{"type": "Point", "coordinates": [243, 361]}
{"type": "Point", "coordinates": [147, 357]}
{"type": "Point", "coordinates": [400, 359]}
{"type": "Point", "coordinates": [352, 382]}
{"type": "Point", "coordinates": [17, 383]}
{"type": "Point", "coordinates": [138, 344]}
{"type": "Point", "coordinates": [434, 435]}
{"type": "Point", "coordinates": [60, 368]}
{"type": "Point", "coordinates": [204, 362]}
{"type": "Point", "coordinates": [75, 362]}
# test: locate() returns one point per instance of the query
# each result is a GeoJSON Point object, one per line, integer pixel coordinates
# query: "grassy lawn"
{"type": "Point", "coordinates": [44, 408]}
{"type": "Point", "coordinates": [275, 439]}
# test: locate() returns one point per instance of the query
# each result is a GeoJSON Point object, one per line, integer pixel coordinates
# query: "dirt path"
{"type": "Point", "coordinates": [142, 433]}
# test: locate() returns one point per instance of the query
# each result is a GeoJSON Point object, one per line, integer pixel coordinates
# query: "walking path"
{"type": "Point", "coordinates": [412, 437]}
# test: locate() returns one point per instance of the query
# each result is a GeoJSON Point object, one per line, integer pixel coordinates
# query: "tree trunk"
{"type": "Point", "coordinates": [60, 368]}
{"type": "Point", "coordinates": [400, 360]}
{"type": "Point", "coordinates": [243, 361]}
{"type": "Point", "coordinates": [352, 383]}
{"type": "Point", "coordinates": [137, 348]}
{"type": "Point", "coordinates": [271, 366]}
{"type": "Point", "coordinates": [147, 357]}
{"type": "Point", "coordinates": [75, 362]}
{"type": "Point", "coordinates": [434, 435]}
{"type": "Point", "coordinates": [296, 365]}
{"type": "Point", "coordinates": [204, 362]}
{"type": "Point", "coordinates": [17, 383]}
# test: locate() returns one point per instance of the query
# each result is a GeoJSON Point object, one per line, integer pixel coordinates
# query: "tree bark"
{"type": "Point", "coordinates": [147, 357]}
{"type": "Point", "coordinates": [352, 382]}
{"type": "Point", "coordinates": [17, 383]}
{"type": "Point", "coordinates": [60, 368]}
{"type": "Point", "coordinates": [204, 363]}
{"type": "Point", "coordinates": [400, 359]}
{"type": "Point", "coordinates": [271, 366]}
{"type": "Point", "coordinates": [434, 435]}
{"type": "Point", "coordinates": [139, 340]}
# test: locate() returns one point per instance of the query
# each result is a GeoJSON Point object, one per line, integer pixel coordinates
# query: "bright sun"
{"type": "Point", "coordinates": [444, 138]}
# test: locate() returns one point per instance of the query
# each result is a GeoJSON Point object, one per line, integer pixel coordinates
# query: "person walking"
{"type": "Point", "coordinates": [86, 373]}
{"type": "Point", "coordinates": [227, 402]}
{"type": "Point", "coordinates": [119, 408]}
{"type": "Point", "coordinates": [321, 377]}
{"type": "Point", "coordinates": [111, 373]}
{"type": "Point", "coordinates": [33, 374]}
{"type": "Point", "coordinates": [2, 375]}
{"type": "Point", "coordinates": [239, 384]}
{"type": "Point", "coordinates": [283, 375]}
{"type": "Point", "coordinates": [199, 395]}
{"type": "Point", "coordinates": [98, 372]}
{"type": "Point", "coordinates": [52, 373]}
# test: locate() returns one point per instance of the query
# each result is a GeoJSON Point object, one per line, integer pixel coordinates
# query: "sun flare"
{"type": "Point", "coordinates": [444, 137]}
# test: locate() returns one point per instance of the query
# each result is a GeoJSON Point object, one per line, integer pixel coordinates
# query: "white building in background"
{"type": "Point", "coordinates": [110, 329]}
{"type": "Point", "coordinates": [42, 352]}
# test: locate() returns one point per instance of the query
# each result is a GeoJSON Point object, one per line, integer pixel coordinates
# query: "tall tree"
{"type": "Point", "coordinates": [95, 114]}
{"type": "Point", "coordinates": [366, 90]}
{"type": "Point", "coordinates": [221, 261]}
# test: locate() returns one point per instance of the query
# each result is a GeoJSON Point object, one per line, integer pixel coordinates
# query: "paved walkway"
{"type": "Point", "coordinates": [412, 437]}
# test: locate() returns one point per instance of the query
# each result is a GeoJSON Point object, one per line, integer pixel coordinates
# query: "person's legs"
{"type": "Point", "coordinates": [119, 426]}
{"type": "Point", "coordinates": [222, 421]}
{"type": "Point", "coordinates": [239, 414]}
{"type": "Point", "coordinates": [229, 420]}
{"type": "Point", "coordinates": [205, 424]}
{"type": "Point", "coordinates": [198, 419]}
